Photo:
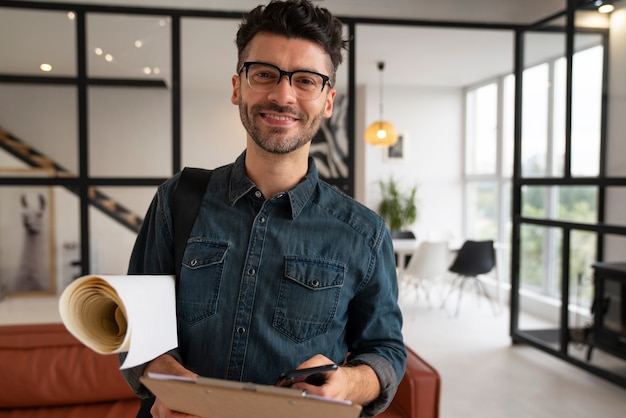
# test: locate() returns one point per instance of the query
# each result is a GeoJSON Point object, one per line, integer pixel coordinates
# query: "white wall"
{"type": "Point", "coordinates": [432, 119]}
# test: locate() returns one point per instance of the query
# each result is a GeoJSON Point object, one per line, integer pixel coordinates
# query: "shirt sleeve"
{"type": "Point", "coordinates": [153, 253]}
{"type": "Point", "coordinates": [376, 325]}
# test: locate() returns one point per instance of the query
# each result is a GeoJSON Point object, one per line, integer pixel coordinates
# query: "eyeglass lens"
{"type": "Point", "coordinates": [265, 77]}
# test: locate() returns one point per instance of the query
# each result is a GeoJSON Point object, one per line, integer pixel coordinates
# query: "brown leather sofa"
{"type": "Point", "coordinates": [46, 372]}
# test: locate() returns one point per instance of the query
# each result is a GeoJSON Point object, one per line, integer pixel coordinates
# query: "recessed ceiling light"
{"type": "Point", "coordinates": [108, 57]}
{"type": "Point", "coordinates": [71, 15]}
{"type": "Point", "coordinates": [45, 67]}
{"type": "Point", "coordinates": [138, 43]}
{"type": "Point", "coordinates": [147, 70]}
{"type": "Point", "coordinates": [98, 51]}
{"type": "Point", "coordinates": [156, 70]}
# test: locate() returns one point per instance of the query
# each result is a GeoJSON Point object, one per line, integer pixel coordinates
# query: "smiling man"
{"type": "Point", "coordinates": [280, 270]}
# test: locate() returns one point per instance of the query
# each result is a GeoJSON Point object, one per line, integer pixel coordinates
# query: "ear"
{"type": "Point", "coordinates": [236, 96]}
{"type": "Point", "coordinates": [328, 103]}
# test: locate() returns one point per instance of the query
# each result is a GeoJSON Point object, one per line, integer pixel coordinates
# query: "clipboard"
{"type": "Point", "coordinates": [216, 398]}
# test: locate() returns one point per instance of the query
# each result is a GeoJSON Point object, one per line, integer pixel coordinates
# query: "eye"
{"type": "Point", "coordinates": [263, 75]}
{"type": "Point", "coordinates": [306, 81]}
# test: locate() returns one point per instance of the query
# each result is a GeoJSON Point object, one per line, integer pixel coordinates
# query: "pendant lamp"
{"type": "Point", "coordinates": [381, 133]}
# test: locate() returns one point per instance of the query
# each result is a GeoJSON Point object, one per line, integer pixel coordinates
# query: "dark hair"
{"type": "Point", "coordinates": [294, 19]}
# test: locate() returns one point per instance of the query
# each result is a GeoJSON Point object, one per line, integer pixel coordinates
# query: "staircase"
{"type": "Point", "coordinates": [26, 153]}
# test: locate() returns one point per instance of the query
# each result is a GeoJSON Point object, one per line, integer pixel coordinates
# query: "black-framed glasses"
{"type": "Point", "coordinates": [264, 77]}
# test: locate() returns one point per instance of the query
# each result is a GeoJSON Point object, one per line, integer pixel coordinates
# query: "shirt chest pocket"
{"type": "Point", "coordinates": [308, 297]}
{"type": "Point", "coordinates": [201, 278]}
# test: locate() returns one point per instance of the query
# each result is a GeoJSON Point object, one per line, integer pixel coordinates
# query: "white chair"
{"type": "Point", "coordinates": [429, 263]}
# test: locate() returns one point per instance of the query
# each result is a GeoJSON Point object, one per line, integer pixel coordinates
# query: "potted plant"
{"type": "Point", "coordinates": [397, 208]}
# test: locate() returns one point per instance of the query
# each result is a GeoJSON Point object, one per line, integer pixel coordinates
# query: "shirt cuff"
{"type": "Point", "coordinates": [387, 378]}
{"type": "Point", "coordinates": [132, 374]}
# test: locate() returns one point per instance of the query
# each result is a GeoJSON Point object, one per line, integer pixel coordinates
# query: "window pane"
{"type": "Point", "coordinates": [112, 240]}
{"type": "Point", "coordinates": [559, 97]}
{"type": "Point", "coordinates": [564, 203]}
{"type": "Point", "coordinates": [540, 255]}
{"type": "Point", "coordinates": [53, 140]}
{"type": "Point", "coordinates": [508, 125]}
{"type": "Point", "coordinates": [586, 111]}
{"type": "Point", "coordinates": [27, 262]}
{"type": "Point", "coordinates": [140, 49]}
{"type": "Point", "coordinates": [578, 204]}
{"type": "Point", "coordinates": [482, 124]}
{"type": "Point", "coordinates": [206, 91]}
{"type": "Point", "coordinates": [25, 27]}
{"type": "Point", "coordinates": [482, 210]}
{"type": "Point", "coordinates": [582, 257]}
{"type": "Point", "coordinates": [139, 141]}
{"type": "Point", "coordinates": [535, 120]}
{"type": "Point", "coordinates": [534, 202]}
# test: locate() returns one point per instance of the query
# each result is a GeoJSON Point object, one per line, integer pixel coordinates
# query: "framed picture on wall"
{"type": "Point", "coordinates": [398, 152]}
{"type": "Point", "coordinates": [27, 260]}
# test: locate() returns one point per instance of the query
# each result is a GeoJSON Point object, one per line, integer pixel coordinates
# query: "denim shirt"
{"type": "Point", "coordinates": [267, 283]}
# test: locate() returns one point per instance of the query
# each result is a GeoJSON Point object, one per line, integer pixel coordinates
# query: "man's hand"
{"type": "Point", "coordinates": [166, 364]}
{"type": "Point", "coordinates": [358, 384]}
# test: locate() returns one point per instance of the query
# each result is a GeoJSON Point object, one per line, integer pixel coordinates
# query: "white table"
{"type": "Point", "coordinates": [403, 247]}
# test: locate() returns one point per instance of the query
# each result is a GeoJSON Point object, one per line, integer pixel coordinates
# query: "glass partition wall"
{"type": "Point", "coordinates": [90, 166]}
{"type": "Point", "coordinates": [559, 191]}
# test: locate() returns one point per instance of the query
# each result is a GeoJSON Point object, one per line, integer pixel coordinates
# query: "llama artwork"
{"type": "Point", "coordinates": [31, 273]}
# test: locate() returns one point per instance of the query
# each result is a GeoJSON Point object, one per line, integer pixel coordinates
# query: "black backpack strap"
{"type": "Point", "coordinates": [185, 206]}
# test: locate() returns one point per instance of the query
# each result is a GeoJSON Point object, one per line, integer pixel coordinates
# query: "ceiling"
{"type": "Point", "coordinates": [424, 55]}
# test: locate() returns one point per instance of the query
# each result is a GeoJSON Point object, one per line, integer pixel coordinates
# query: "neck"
{"type": "Point", "coordinates": [274, 173]}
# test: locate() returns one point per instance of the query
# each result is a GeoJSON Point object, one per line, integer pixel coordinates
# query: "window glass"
{"type": "Point", "coordinates": [508, 124]}
{"type": "Point", "coordinates": [482, 210]}
{"type": "Point", "coordinates": [586, 111]}
{"type": "Point", "coordinates": [212, 133]}
{"type": "Point", "coordinates": [52, 142]}
{"type": "Point", "coordinates": [140, 50]}
{"type": "Point", "coordinates": [114, 226]}
{"type": "Point", "coordinates": [38, 249]}
{"type": "Point", "coordinates": [535, 120]}
{"type": "Point", "coordinates": [138, 142]}
{"type": "Point", "coordinates": [36, 43]}
{"type": "Point", "coordinates": [482, 126]}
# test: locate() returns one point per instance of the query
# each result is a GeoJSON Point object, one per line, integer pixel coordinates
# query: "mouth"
{"type": "Point", "coordinates": [278, 119]}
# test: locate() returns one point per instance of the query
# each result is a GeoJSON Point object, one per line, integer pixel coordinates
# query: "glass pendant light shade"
{"type": "Point", "coordinates": [381, 133]}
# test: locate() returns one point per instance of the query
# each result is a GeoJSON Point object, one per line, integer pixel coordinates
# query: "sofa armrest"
{"type": "Point", "coordinates": [419, 391]}
{"type": "Point", "coordinates": [46, 366]}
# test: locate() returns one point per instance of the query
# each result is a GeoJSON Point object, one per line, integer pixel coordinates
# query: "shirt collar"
{"type": "Point", "coordinates": [240, 185]}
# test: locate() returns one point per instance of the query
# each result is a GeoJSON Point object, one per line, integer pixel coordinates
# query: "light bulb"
{"type": "Point", "coordinates": [606, 8]}
{"type": "Point", "coordinates": [381, 134]}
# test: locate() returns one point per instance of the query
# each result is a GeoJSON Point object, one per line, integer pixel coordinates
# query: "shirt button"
{"type": "Point", "coordinates": [262, 219]}
{"type": "Point", "coordinates": [251, 272]}
{"type": "Point", "coordinates": [315, 283]}
{"type": "Point", "coordinates": [241, 330]}
{"type": "Point", "coordinates": [194, 262]}
{"type": "Point", "coordinates": [258, 194]}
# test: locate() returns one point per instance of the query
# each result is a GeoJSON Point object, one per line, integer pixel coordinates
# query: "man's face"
{"type": "Point", "coordinates": [277, 121]}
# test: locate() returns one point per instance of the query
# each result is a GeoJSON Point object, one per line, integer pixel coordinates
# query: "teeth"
{"type": "Point", "coordinates": [278, 117]}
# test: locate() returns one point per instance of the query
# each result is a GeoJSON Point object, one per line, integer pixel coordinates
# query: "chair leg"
{"type": "Point", "coordinates": [444, 299]}
{"type": "Point", "coordinates": [458, 301]}
{"type": "Point", "coordinates": [481, 286]}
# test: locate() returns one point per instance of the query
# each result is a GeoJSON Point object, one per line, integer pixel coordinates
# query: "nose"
{"type": "Point", "coordinates": [283, 92]}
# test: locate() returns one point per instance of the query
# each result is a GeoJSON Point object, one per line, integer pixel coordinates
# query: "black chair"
{"type": "Point", "coordinates": [473, 259]}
